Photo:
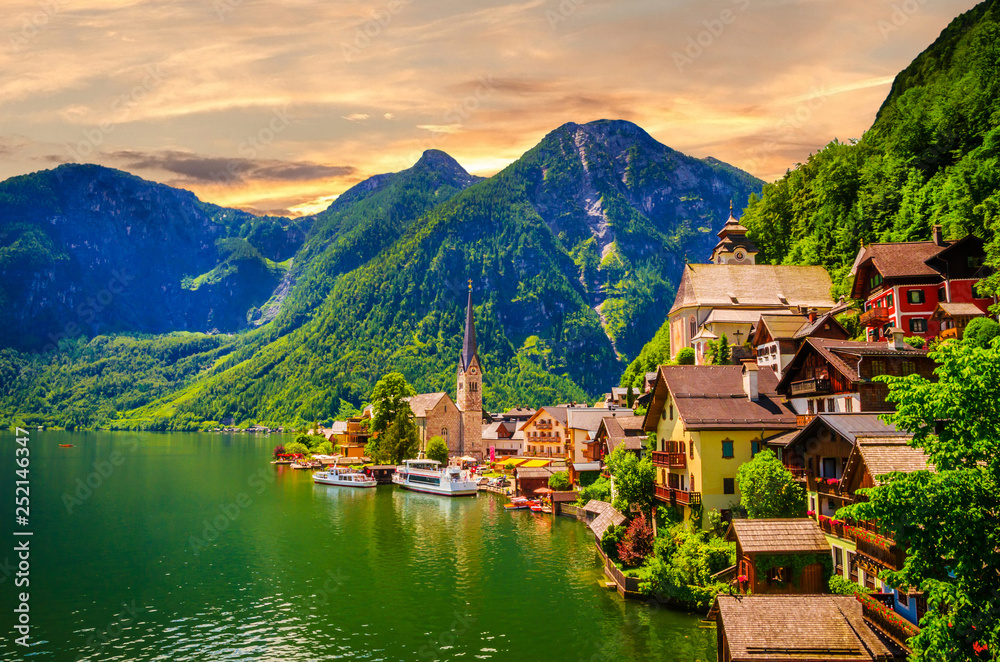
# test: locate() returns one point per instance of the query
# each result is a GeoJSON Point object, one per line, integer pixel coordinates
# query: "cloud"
{"type": "Point", "coordinates": [356, 117]}
{"type": "Point", "coordinates": [195, 168]}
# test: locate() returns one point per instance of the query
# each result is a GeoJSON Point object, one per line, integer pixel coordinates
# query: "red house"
{"type": "Point", "coordinates": [903, 283]}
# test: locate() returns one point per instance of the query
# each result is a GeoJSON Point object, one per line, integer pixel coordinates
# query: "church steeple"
{"type": "Point", "coordinates": [734, 246]}
{"type": "Point", "coordinates": [469, 348]}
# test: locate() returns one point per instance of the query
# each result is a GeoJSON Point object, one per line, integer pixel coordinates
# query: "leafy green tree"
{"type": "Point", "coordinates": [399, 442]}
{"type": "Point", "coordinates": [633, 480]}
{"type": "Point", "coordinates": [768, 490]}
{"type": "Point", "coordinates": [325, 448]}
{"type": "Point", "coordinates": [437, 449]}
{"type": "Point", "coordinates": [600, 489]}
{"type": "Point", "coordinates": [980, 331]}
{"type": "Point", "coordinates": [718, 352]}
{"type": "Point", "coordinates": [389, 401]}
{"type": "Point", "coordinates": [946, 519]}
{"type": "Point", "coordinates": [609, 541]}
{"type": "Point", "coordinates": [297, 448]}
{"type": "Point", "coordinates": [682, 564]}
{"type": "Point", "coordinates": [685, 356]}
{"type": "Point", "coordinates": [559, 481]}
{"type": "Point", "coordinates": [915, 342]}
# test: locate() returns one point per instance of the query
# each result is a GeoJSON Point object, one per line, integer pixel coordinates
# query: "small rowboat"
{"type": "Point", "coordinates": [65, 445]}
{"type": "Point", "coordinates": [519, 503]}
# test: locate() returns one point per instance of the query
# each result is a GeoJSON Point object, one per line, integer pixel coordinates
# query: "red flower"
{"type": "Point", "coordinates": [978, 647]}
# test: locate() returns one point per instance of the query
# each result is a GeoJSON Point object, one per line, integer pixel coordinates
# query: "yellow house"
{"type": "Point", "coordinates": [708, 421]}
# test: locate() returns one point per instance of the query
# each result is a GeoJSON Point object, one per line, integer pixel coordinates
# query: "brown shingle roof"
{"type": "Point", "coordinates": [712, 398]}
{"type": "Point", "coordinates": [783, 327]}
{"type": "Point", "coordinates": [778, 536]}
{"type": "Point", "coordinates": [798, 627]}
{"type": "Point", "coordinates": [904, 259]}
{"type": "Point", "coordinates": [533, 472]}
{"type": "Point", "coordinates": [423, 402]}
{"type": "Point", "coordinates": [959, 310]}
{"type": "Point", "coordinates": [605, 518]}
{"type": "Point", "coordinates": [753, 286]}
{"type": "Point", "coordinates": [843, 356]}
{"type": "Point", "coordinates": [885, 455]}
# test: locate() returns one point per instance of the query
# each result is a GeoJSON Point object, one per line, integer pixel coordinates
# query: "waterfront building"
{"type": "Point", "coordinates": [708, 421]}
{"type": "Point", "coordinates": [436, 415]}
{"type": "Point", "coordinates": [765, 549]}
{"type": "Point", "coordinates": [613, 432]}
{"type": "Point", "coordinates": [903, 283]}
{"type": "Point", "coordinates": [469, 398]}
{"type": "Point", "coordinates": [546, 433]}
{"type": "Point", "coordinates": [829, 375]}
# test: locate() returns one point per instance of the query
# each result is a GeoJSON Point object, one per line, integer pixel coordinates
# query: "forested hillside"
{"type": "Point", "coordinates": [931, 157]}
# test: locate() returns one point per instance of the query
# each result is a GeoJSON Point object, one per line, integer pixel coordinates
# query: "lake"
{"type": "Point", "coordinates": [194, 547]}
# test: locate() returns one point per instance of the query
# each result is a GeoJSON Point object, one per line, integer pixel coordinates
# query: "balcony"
{"type": "Point", "coordinates": [830, 486]}
{"type": "Point", "coordinates": [802, 420]}
{"type": "Point", "coordinates": [834, 527]}
{"type": "Point", "coordinates": [798, 473]}
{"type": "Point", "coordinates": [949, 334]}
{"type": "Point", "coordinates": [811, 387]}
{"type": "Point", "coordinates": [674, 496]}
{"type": "Point", "coordinates": [877, 611]}
{"type": "Point", "coordinates": [878, 550]}
{"type": "Point", "coordinates": [876, 317]}
{"type": "Point", "coordinates": [543, 426]}
{"type": "Point", "coordinates": [669, 459]}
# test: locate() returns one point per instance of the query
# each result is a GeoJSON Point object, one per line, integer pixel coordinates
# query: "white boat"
{"type": "Point", "coordinates": [344, 477]}
{"type": "Point", "coordinates": [428, 476]}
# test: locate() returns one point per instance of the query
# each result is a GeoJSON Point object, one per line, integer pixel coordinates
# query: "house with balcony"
{"type": "Point", "coordinates": [765, 547]}
{"type": "Point", "coordinates": [781, 628]}
{"type": "Point", "coordinates": [952, 318]}
{"type": "Point", "coordinates": [612, 433]}
{"type": "Point", "coordinates": [903, 283]}
{"type": "Point", "coordinates": [829, 375]}
{"type": "Point", "coordinates": [776, 338]}
{"type": "Point", "coordinates": [546, 433]}
{"type": "Point", "coordinates": [708, 421]}
{"type": "Point", "coordinates": [583, 424]}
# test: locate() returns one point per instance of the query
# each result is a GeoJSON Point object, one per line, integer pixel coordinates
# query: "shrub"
{"type": "Point", "coordinates": [980, 331]}
{"type": "Point", "coordinates": [559, 481]}
{"type": "Point", "coordinates": [916, 342]}
{"type": "Point", "coordinates": [297, 448]}
{"type": "Point", "coordinates": [637, 543]}
{"type": "Point", "coordinates": [685, 356]}
{"type": "Point", "coordinates": [600, 489]}
{"type": "Point", "coordinates": [840, 586]}
{"type": "Point", "coordinates": [437, 449]}
{"type": "Point", "coordinates": [279, 450]}
{"type": "Point", "coordinates": [609, 541]}
{"type": "Point", "coordinates": [326, 448]}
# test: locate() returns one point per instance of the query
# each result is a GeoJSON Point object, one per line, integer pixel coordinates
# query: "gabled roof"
{"type": "Point", "coordinates": [590, 419]}
{"type": "Point", "coordinates": [753, 286]}
{"type": "Point", "coordinates": [605, 518]}
{"type": "Point", "coordinates": [424, 402]}
{"type": "Point", "coordinates": [498, 430]}
{"type": "Point", "coordinates": [778, 326]}
{"type": "Point", "coordinates": [710, 397]}
{"type": "Point", "coordinates": [843, 356]}
{"type": "Point", "coordinates": [881, 456]}
{"type": "Point", "coordinates": [783, 628]}
{"type": "Point", "coordinates": [901, 260]}
{"type": "Point", "coordinates": [849, 426]}
{"type": "Point", "coordinates": [810, 328]}
{"type": "Point", "coordinates": [945, 309]}
{"type": "Point", "coordinates": [622, 430]}
{"type": "Point", "coordinates": [778, 536]}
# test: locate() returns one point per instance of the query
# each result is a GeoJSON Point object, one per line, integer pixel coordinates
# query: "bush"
{"type": "Point", "coordinates": [609, 541]}
{"type": "Point", "coordinates": [685, 356]}
{"type": "Point", "coordinates": [916, 342]}
{"type": "Point", "coordinates": [682, 565]}
{"type": "Point", "coordinates": [279, 450]}
{"type": "Point", "coordinates": [559, 482]}
{"type": "Point", "coordinates": [437, 449]}
{"type": "Point", "coordinates": [840, 586]}
{"type": "Point", "coordinates": [297, 448]}
{"type": "Point", "coordinates": [637, 543]}
{"type": "Point", "coordinates": [326, 448]}
{"type": "Point", "coordinates": [600, 489]}
{"type": "Point", "coordinates": [981, 331]}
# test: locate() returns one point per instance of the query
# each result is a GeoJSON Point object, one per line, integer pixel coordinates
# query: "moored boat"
{"type": "Point", "coordinates": [344, 478]}
{"type": "Point", "coordinates": [428, 476]}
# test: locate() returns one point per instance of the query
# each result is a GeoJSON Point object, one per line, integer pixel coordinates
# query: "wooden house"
{"type": "Point", "coordinates": [780, 555]}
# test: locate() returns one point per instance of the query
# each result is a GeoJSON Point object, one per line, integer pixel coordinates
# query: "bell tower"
{"type": "Point", "coordinates": [469, 392]}
{"type": "Point", "coordinates": [734, 246]}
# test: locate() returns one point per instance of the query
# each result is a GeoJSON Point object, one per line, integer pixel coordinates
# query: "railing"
{"type": "Point", "coordinates": [798, 473]}
{"type": "Point", "coordinates": [882, 551]}
{"type": "Point", "coordinates": [947, 334]}
{"type": "Point", "coordinates": [822, 486]}
{"type": "Point", "coordinates": [674, 496]}
{"type": "Point", "coordinates": [543, 426]}
{"type": "Point", "coordinates": [876, 609]}
{"type": "Point", "coordinates": [669, 459]}
{"type": "Point", "coordinates": [811, 386]}
{"type": "Point", "coordinates": [834, 527]}
{"type": "Point", "coordinates": [627, 586]}
{"type": "Point", "coordinates": [802, 420]}
{"type": "Point", "coordinates": [874, 317]}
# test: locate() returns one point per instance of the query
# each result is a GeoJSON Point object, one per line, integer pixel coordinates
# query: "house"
{"type": "Point", "coordinates": [583, 425]}
{"type": "Point", "coordinates": [546, 433]}
{"type": "Point", "coordinates": [952, 318]}
{"type": "Point", "coordinates": [728, 296]}
{"type": "Point", "coordinates": [618, 397]}
{"type": "Point", "coordinates": [776, 338]}
{"type": "Point", "coordinates": [355, 437]}
{"type": "Point", "coordinates": [708, 421]}
{"type": "Point", "coordinates": [436, 415]}
{"type": "Point", "coordinates": [500, 436]}
{"type": "Point", "coordinates": [902, 283]}
{"type": "Point", "coordinates": [811, 628]}
{"type": "Point", "coordinates": [613, 432]}
{"type": "Point", "coordinates": [529, 479]}
{"type": "Point", "coordinates": [763, 551]}
{"type": "Point", "coordinates": [828, 375]}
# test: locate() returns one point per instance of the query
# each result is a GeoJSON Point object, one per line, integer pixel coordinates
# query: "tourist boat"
{"type": "Point", "coordinates": [536, 507]}
{"type": "Point", "coordinates": [428, 476]}
{"type": "Point", "coordinates": [344, 477]}
{"type": "Point", "coordinates": [65, 445]}
{"type": "Point", "coordinates": [518, 503]}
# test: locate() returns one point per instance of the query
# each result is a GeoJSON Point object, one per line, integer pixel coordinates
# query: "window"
{"type": "Point", "coordinates": [779, 575]}
{"type": "Point", "coordinates": [907, 367]}
{"type": "Point", "coordinates": [904, 599]}
{"type": "Point", "coordinates": [838, 560]}
{"type": "Point", "coordinates": [889, 301]}
{"type": "Point", "coordinates": [975, 262]}
{"type": "Point", "coordinates": [671, 412]}
{"type": "Point", "coordinates": [830, 406]}
{"type": "Point", "coordinates": [727, 448]}
{"type": "Point", "coordinates": [820, 406]}
{"type": "Point", "coordinates": [875, 280]}
{"type": "Point", "coordinates": [691, 450]}
{"type": "Point", "coordinates": [754, 448]}
{"type": "Point", "coordinates": [852, 566]}
{"type": "Point", "coordinates": [829, 467]}
{"type": "Point", "coordinates": [692, 482]}
{"type": "Point", "coordinates": [915, 296]}
{"type": "Point", "coordinates": [812, 503]}
{"type": "Point", "coordinates": [729, 486]}
{"type": "Point", "coordinates": [692, 327]}
{"type": "Point", "coordinates": [918, 325]}
{"type": "Point", "coordinates": [810, 407]}
{"type": "Point", "coordinates": [878, 368]}
{"type": "Point", "coordinates": [848, 405]}
{"type": "Point", "coordinates": [942, 294]}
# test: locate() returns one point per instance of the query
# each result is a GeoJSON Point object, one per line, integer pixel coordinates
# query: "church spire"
{"type": "Point", "coordinates": [469, 347]}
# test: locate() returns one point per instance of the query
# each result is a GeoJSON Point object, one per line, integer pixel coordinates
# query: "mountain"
{"type": "Point", "coordinates": [931, 157]}
{"type": "Point", "coordinates": [91, 250]}
{"type": "Point", "coordinates": [574, 251]}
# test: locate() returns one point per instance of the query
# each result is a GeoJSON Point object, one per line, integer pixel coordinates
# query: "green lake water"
{"type": "Point", "coordinates": [194, 547]}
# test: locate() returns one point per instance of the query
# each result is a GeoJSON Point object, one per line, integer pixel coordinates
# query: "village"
{"type": "Point", "coordinates": [767, 370]}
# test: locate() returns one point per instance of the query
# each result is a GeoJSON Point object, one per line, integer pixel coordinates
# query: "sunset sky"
{"type": "Point", "coordinates": [280, 105]}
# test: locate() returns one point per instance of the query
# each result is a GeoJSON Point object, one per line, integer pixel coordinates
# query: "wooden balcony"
{"type": "Point", "coordinates": [669, 459]}
{"type": "Point", "coordinates": [834, 527]}
{"type": "Point", "coordinates": [821, 486]}
{"type": "Point", "coordinates": [876, 317]}
{"type": "Point", "coordinates": [674, 496]}
{"type": "Point", "coordinates": [798, 473]}
{"type": "Point", "coordinates": [879, 551]}
{"type": "Point", "coordinates": [811, 387]}
{"type": "Point", "coordinates": [876, 608]}
{"type": "Point", "coordinates": [802, 420]}
{"type": "Point", "coordinates": [950, 334]}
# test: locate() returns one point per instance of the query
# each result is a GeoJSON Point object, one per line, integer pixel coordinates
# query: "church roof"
{"type": "Point", "coordinates": [469, 348]}
{"type": "Point", "coordinates": [753, 286]}
{"type": "Point", "coordinates": [423, 402]}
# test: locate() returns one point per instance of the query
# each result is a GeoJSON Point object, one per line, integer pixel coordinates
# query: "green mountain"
{"type": "Point", "coordinates": [931, 157]}
{"type": "Point", "coordinates": [574, 252]}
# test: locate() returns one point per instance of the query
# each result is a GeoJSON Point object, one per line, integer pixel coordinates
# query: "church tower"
{"type": "Point", "coordinates": [469, 395]}
{"type": "Point", "coordinates": [734, 246]}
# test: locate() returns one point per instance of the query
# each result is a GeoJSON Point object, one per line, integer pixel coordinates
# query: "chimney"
{"type": "Point", "coordinates": [812, 315]}
{"type": "Point", "coordinates": [750, 379]}
{"type": "Point", "coordinates": [936, 235]}
{"type": "Point", "coordinates": [895, 338]}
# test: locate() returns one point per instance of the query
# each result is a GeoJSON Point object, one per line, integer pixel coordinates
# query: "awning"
{"type": "Point", "coordinates": [468, 458]}
{"type": "Point", "coordinates": [586, 466]}
{"type": "Point", "coordinates": [536, 463]}
{"type": "Point", "coordinates": [513, 461]}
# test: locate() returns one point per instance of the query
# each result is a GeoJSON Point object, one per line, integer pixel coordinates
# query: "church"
{"type": "Point", "coordinates": [728, 296]}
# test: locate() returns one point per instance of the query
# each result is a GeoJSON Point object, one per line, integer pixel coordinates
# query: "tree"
{"type": "Point", "coordinates": [437, 449]}
{"type": "Point", "coordinates": [278, 450]}
{"type": "Point", "coordinates": [609, 541]}
{"type": "Point", "coordinates": [637, 543]}
{"type": "Point", "coordinates": [685, 356]}
{"type": "Point", "coordinates": [297, 448]}
{"type": "Point", "coordinates": [325, 448]}
{"type": "Point", "coordinates": [946, 519]}
{"type": "Point", "coordinates": [400, 441]}
{"type": "Point", "coordinates": [768, 490]}
{"type": "Point", "coordinates": [559, 482]}
{"type": "Point", "coordinates": [629, 397]}
{"type": "Point", "coordinates": [718, 351]}
{"type": "Point", "coordinates": [981, 331]}
{"type": "Point", "coordinates": [600, 489]}
{"type": "Point", "coordinates": [389, 401]}
{"type": "Point", "coordinates": [633, 480]}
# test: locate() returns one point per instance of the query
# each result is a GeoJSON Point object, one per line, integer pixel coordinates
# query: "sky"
{"type": "Point", "coordinates": [278, 106]}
